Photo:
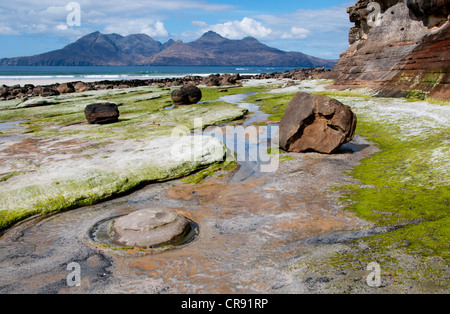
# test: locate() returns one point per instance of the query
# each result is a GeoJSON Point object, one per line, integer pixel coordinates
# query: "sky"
{"type": "Point", "coordinates": [319, 28]}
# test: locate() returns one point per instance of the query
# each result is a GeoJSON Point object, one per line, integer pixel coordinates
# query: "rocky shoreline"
{"type": "Point", "coordinates": [29, 90]}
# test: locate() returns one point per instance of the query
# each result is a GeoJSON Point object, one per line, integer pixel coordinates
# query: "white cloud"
{"type": "Point", "coordinates": [139, 26]}
{"type": "Point", "coordinates": [296, 33]}
{"type": "Point", "coordinates": [315, 21]}
{"type": "Point", "coordinates": [302, 30]}
{"type": "Point", "coordinates": [46, 17]}
{"type": "Point", "coordinates": [62, 27]}
{"type": "Point", "coordinates": [157, 30]}
{"type": "Point", "coordinates": [236, 29]}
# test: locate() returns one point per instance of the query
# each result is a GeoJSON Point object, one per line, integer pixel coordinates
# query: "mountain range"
{"type": "Point", "coordinates": [211, 49]}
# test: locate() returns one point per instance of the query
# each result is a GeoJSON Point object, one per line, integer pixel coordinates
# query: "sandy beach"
{"type": "Point", "coordinates": [40, 81]}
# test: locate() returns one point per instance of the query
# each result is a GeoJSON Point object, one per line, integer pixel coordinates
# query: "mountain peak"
{"type": "Point", "coordinates": [211, 37]}
{"type": "Point", "coordinates": [211, 49]}
{"type": "Point", "coordinates": [250, 39]}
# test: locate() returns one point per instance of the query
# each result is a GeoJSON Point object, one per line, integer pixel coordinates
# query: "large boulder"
{"type": "Point", "coordinates": [149, 227]}
{"type": "Point", "coordinates": [194, 93]}
{"type": "Point", "coordinates": [179, 97]}
{"type": "Point", "coordinates": [102, 113]}
{"type": "Point", "coordinates": [187, 95]}
{"type": "Point", "coordinates": [316, 122]}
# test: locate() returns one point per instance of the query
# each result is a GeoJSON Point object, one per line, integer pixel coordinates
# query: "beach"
{"type": "Point", "coordinates": [50, 75]}
{"type": "Point", "coordinates": [258, 232]}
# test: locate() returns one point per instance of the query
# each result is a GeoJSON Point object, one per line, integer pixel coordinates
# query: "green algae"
{"type": "Point", "coordinates": [199, 177]}
{"type": "Point", "coordinates": [408, 180]}
{"type": "Point", "coordinates": [404, 186]}
{"type": "Point", "coordinates": [346, 93]}
{"type": "Point", "coordinates": [273, 104]}
{"type": "Point", "coordinates": [143, 120]}
{"type": "Point", "coordinates": [282, 155]}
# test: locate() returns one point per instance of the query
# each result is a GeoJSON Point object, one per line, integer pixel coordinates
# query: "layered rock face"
{"type": "Point", "coordinates": [397, 46]}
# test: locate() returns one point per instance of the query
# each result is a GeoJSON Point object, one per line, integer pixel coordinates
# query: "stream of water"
{"type": "Point", "coordinates": [250, 144]}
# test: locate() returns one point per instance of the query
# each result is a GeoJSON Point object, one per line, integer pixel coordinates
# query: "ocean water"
{"type": "Point", "coordinates": [21, 74]}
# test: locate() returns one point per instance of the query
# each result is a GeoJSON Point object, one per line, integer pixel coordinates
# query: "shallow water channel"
{"type": "Point", "coordinates": [250, 223]}
{"type": "Point", "coordinates": [10, 125]}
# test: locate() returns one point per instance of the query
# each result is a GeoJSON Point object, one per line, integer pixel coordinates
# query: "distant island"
{"type": "Point", "coordinates": [97, 49]}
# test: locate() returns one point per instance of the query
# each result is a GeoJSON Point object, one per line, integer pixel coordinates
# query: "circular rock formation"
{"type": "Point", "coordinates": [102, 113]}
{"type": "Point", "coordinates": [316, 122]}
{"type": "Point", "coordinates": [149, 227]}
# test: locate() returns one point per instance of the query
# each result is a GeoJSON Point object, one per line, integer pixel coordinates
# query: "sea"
{"type": "Point", "coordinates": [42, 75]}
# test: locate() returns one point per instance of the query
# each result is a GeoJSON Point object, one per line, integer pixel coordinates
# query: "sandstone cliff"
{"type": "Point", "coordinates": [397, 46]}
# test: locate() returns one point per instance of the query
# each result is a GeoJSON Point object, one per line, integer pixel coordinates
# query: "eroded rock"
{"type": "Point", "coordinates": [316, 122]}
{"type": "Point", "coordinates": [149, 227]}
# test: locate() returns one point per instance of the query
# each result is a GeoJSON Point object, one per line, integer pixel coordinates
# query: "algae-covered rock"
{"type": "Point", "coordinates": [89, 178]}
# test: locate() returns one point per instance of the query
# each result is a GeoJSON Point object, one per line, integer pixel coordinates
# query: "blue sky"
{"type": "Point", "coordinates": [318, 28]}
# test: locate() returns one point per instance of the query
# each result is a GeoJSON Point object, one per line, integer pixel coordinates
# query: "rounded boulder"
{"type": "Point", "coordinates": [193, 92]}
{"type": "Point", "coordinates": [187, 95]}
{"type": "Point", "coordinates": [149, 227]}
{"type": "Point", "coordinates": [180, 97]}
